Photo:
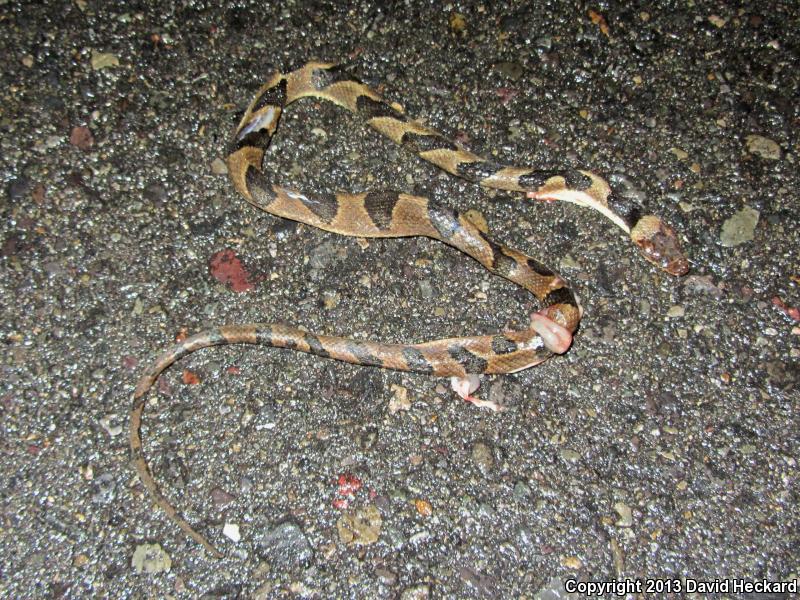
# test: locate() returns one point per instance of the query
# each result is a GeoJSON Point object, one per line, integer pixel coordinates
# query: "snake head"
{"type": "Point", "coordinates": [659, 244]}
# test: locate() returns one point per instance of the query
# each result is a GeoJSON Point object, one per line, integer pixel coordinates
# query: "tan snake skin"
{"type": "Point", "coordinates": [389, 213]}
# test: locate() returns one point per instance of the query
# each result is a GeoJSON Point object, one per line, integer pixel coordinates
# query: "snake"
{"type": "Point", "coordinates": [389, 214]}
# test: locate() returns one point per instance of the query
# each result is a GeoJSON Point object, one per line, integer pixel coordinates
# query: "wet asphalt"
{"type": "Point", "coordinates": [663, 444]}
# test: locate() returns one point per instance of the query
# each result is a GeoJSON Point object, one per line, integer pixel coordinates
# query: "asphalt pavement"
{"type": "Point", "coordinates": [661, 449]}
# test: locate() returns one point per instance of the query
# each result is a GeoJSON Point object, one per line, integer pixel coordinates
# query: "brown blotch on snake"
{"type": "Point", "coordinates": [395, 214]}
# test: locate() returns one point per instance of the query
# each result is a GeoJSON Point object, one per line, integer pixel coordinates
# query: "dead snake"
{"type": "Point", "coordinates": [393, 214]}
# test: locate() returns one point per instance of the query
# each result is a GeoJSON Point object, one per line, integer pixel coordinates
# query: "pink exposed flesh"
{"type": "Point", "coordinates": [556, 338]}
{"type": "Point", "coordinates": [464, 386]}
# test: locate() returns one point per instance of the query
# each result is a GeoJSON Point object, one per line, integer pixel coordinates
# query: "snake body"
{"type": "Point", "coordinates": [389, 213]}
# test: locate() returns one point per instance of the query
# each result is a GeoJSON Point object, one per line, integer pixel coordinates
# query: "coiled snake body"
{"type": "Point", "coordinates": [394, 214]}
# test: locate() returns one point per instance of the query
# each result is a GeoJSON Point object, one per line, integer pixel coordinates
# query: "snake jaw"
{"type": "Point", "coordinates": [659, 244]}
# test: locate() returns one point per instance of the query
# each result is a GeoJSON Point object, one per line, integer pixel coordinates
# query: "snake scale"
{"type": "Point", "coordinates": [393, 214]}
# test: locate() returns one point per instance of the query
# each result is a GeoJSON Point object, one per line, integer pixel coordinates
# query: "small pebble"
{"type": "Point", "coordinates": [458, 23]}
{"type": "Point", "coordinates": [330, 299]}
{"type": "Point", "coordinates": [386, 576]}
{"type": "Point", "coordinates": [511, 70]}
{"type": "Point", "coordinates": [423, 507]}
{"type": "Point", "coordinates": [220, 497]}
{"type": "Point", "coordinates": [425, 289]}
{"type": "Point", "coordinates": [569, 262]}
{"type": "Point", "coordinates": [739, 228]}
{"type": "Point", "coordinates": [625, 514]}
{"type": "Point", "coordinates": [150, 558]}
{"type": "Point", "coordinates": [399, 401]}
{"type": "Point", "coordinates": [285, 546]}
{"type": "Point", "coordinates": [717, 21]}
{"type": "Point", "coordinates": [102, 60]}
{"type": "Point", "coordinates": [679, 154]}
{"type": "Point", "coordinates": [676, 312]}
{"type": "Point", "coordinates": [416, 592]}
{"type": "Point", "coordinates": [570, 455]}
{"type": "Point", "coordinates": [82, 138]}
{"type": "Point", "coordinates": [361, 527]}
{"type": "Point", "coordinates": [231, 531]}
{"type": "Point", "coordinates": [109, 423]}
{"type": "Point", "coordinates": [18, 188]}
{"type": "Point", "coordinates": [763, 147]}
{"type": "Point", "coordinates": [482, 456]}
{"type": "Point", "coordinates": [218, 167]}
{"type": "Point", "coordinates": [522, 491]}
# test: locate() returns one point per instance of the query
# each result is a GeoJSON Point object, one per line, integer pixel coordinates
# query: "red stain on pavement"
{"type": "Point", "coordinates": [226, 268]}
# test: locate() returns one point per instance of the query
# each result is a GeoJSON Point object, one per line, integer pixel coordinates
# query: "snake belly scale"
{"type": "Point", "coordinates": [388, 213]}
